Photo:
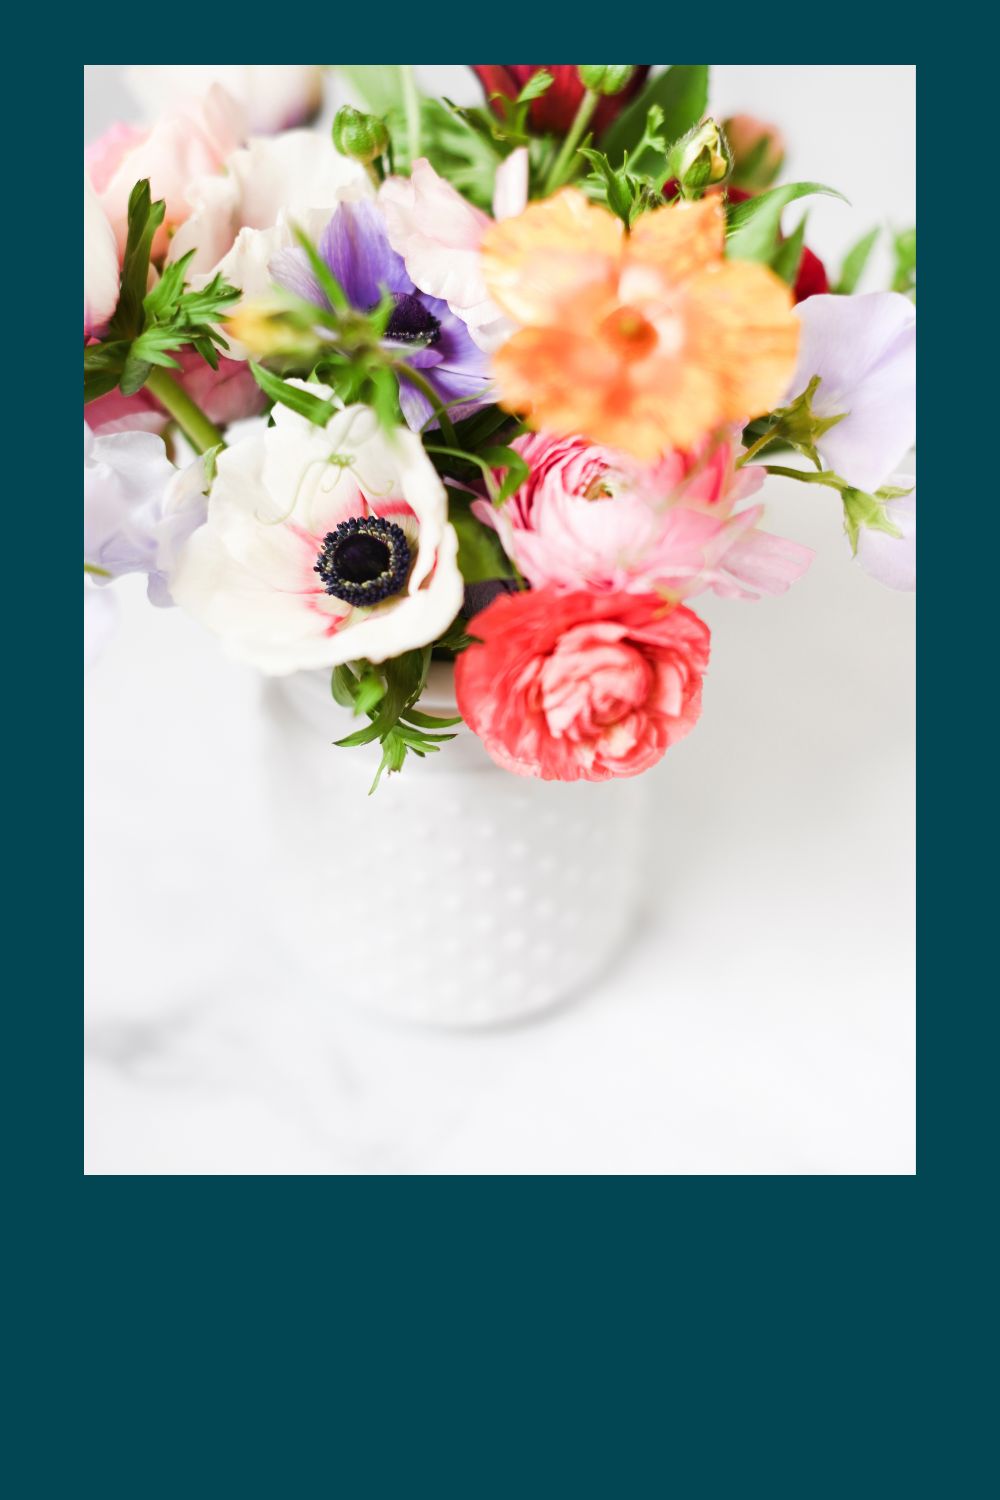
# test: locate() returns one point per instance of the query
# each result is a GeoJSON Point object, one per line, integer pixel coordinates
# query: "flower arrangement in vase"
{"type": "Point", "coordinates": [497, 387]}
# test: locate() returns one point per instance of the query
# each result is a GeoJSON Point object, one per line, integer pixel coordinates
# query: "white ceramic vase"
{"type": "Point", "coordinates": [456, 895]}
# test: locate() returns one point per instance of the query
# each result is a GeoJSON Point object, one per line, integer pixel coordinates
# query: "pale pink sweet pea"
{"type": "Point", "coordinates": [101, 266]}
{"type": "Point", "coordinates": [588, 517]}
{"type": "Point", "coordinates": [893, 559]}
{"type": "Point", "coordinates": [173, 153]}
{"type": "Point", "coordinates": [274, 96]}
{"type": "Point", "coordinates": [438, 233]}
{"type": "Point", "coordinates": [864, 349]}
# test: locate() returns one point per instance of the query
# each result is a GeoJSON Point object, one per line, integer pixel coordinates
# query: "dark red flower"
{"type": "Point", "coordinates": [812, 277]}
{"type": "Point", "coordinates": [554, 110]}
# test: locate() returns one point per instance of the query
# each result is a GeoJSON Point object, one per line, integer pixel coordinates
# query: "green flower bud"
{"type": "Point", "coordinates": [362, 137]}
{"type": "Point", "coordinates": [605, 79]}
{"type": "Point", "coordinates": [700, 159]}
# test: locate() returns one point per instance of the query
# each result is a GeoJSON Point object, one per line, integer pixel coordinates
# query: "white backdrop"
{"type": "Point", "coordinates": [763, 1020]}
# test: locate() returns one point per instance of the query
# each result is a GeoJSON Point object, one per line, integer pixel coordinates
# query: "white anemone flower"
{"type": "Point", "coordinates": [274, 96]}
{"type": "Point", "coordinates": [138, 508]}
{"type": "Point", "coordinates": [323, 545]}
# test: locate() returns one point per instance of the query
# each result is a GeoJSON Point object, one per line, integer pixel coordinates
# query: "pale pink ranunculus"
{"type": "Point", "coordinates": [581, 686]}
{"type": "Point", "coordinates": [588, 517]}
{"type": "Point", "coordinates": [225, 395]}
{"type": "Point", "coordinates": [173, 153]}
{"type": "Point", "coordinates": [438, 233]}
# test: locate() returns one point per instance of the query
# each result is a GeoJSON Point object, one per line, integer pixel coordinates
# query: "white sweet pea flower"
{"type": "Point", "coordinates": [273, 97]}
{"type": "Point", "coordinates": [244, 215]}
{"type": "Point", "coordinates": [323, 545]}
{"type": "Point", "coordinates": [100, 263]}
{"type": "Point", "coordinates": [864, 351]}
{"type": "Point", "coordinates": [138, 508]}
{"type": "Point", "coordinates": [893, 559]}
{"type": "Point", "coordinates": [438, 233]}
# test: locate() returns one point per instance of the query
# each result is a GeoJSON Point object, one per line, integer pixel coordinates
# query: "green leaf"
{"type": "Point", "coordinates": [516, 468]}
{"type": "Point", "coordinates": [855, 261]}
{"type": "Point", "coordinates": [681, 93]}
{"type": "Point", "coordinates": [480, 554]}
{"type": "Point", "coordinates": [292, 396]}
{"type": "Point", "coordinates": [753, 227]}
{"type": "Point", "coordinates": [619, 193]}
{"type": "Point", "coordinates": [788, 256]}
{"type": "Point", "coordinates": [536, 85]}
{"type": "Point", "coordinates": [144, 219]}
{"type": "Point", "coordinates": [370, 691]}
{"type": "Point", "coordinates": [379, 86]}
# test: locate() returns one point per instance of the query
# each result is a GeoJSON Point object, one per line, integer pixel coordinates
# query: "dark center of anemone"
{"type": "Point", "coordinates": [411, 322]}
{"type": "Point", "coordinates": [365, 560]}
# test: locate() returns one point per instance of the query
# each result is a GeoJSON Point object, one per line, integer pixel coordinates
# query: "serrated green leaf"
{"type": "Point", "coordinates": [753, 227]}
{"type": "Point", "coordinates": [681, 93]}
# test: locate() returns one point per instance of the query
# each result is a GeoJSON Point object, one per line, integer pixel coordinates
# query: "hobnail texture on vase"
{"type": "Point", "coordinates": [456, 895]}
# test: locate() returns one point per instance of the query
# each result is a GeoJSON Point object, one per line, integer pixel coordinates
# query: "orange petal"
{"type": "Point", "coordinates": [680, 238]}
{"type": "Point", "coordinates": [559, 379]}
{"type": "Point", "coordinates": [559, 251]}
{"type": "Point", "coordinates": [742, 329]}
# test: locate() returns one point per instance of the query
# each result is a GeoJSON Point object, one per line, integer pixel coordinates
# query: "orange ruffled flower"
{"type": "Point", "coordinates": [645, 341]}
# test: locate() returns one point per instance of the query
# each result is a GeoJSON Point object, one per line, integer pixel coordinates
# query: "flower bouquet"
{"type": "Point", "coordinates": [489, 390]}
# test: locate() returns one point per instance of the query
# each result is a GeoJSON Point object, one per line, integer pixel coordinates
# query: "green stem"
{"type": "Point", "coordinates": [199, 431]}
{"type": "Point", "coordinates": [808, 476]}
{"type": "Point", "coordinates": [411, 104]}
{"type": "Point", "coordinates": [581, 120]}
{"type": "Point", "coordinates": [423, 385]}
{"type": "Point", "coordinates": [761, 442]}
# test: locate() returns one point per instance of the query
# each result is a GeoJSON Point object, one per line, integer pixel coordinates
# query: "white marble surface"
{"type": "Point", "coordinates": [761, 1023]}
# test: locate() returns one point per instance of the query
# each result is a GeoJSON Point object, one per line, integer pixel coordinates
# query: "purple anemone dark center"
{"type": "Point", "coordinates": [365, 560]}
{"type": "Point", "coordinates": [410, 322]}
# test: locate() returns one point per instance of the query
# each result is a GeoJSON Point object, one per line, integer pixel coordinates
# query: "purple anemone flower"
{"type": "Point", "coordinates": [356, 248]}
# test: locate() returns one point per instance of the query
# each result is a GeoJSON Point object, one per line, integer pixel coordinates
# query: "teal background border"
{"type": "Point", "coordinates": [476, 1337]}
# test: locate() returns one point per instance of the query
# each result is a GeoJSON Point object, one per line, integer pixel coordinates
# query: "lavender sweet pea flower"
{"type": "Point", "coordinates": [864, 351]}
{"type": "Point", "coordinates": [138, 509]}
{"type": "Point", "coordinates": [891, 559]}
{"type": "Point", "coordinates": [356, 248]}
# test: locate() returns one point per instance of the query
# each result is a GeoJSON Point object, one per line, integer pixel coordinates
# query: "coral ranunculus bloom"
{"type": "Point", "coordinates": [579, 686]}
{"type": "Point", "coordinates": [644, 341]}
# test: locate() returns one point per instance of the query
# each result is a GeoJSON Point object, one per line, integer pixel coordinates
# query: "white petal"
{"type": "Point", "coordinates": [510, 185]}
{"type": "Point", "coordinates": [100, 263]}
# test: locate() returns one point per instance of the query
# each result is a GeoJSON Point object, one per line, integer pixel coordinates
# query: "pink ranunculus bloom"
{"type": "Point", "coordinates": [438, 233]}
{"type": "Point", "coordinates": [580, 686]}
{"type": "Point", "coordinates": [173, 153]}
{"type": "Point", "coordinates": [588, 517]}
{"type": "Point", "coordinates": [225, 395]}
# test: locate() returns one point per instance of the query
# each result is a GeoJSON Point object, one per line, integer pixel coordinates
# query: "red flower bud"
{"type": "Point", "coordinates": [555, 109]}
